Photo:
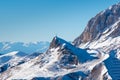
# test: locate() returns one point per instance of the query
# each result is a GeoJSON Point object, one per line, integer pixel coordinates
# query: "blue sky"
{"type": "Point", "coordinates": [41, 20]}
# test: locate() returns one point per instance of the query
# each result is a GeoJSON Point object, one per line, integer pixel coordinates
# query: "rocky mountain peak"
{"type": "Point", "coordinates": [55, 42]}
{"type": "Point", "coordinates": [68, 53]}
{"type": "Point", "coordinates": [99, 24]}
{"type": "Point", "coordinates": [59, 42]}
{"type": "Point", "coordinates": [99, 60]}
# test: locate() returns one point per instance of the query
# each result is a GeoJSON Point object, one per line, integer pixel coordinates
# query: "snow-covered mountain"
{"type": "Point", "coordinates": [10, 60]}
{"type": "Point", "coordinates": [6, 47]}
{"type": "Point", "coordinates": [15, 58]}
{"type": "Point", "coordinates": [94, 55]}
{"type": "Point", "coordinates": [60, 60]}
{"type": "Point", "coordinates": [102, 31]}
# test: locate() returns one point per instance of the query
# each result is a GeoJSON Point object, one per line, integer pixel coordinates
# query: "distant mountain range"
{"type": "Point", "coordinates": [94, 55]}
{"type": "Point", "coordinates": [6, 47]}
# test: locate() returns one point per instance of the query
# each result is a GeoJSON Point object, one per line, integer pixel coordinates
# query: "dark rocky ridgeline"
{"type": "Point", "coordinates": [98, 24]}
{"type": "Point", "coordinates": [69, 55]}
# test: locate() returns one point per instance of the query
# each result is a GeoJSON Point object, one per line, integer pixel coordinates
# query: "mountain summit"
{"type": "Point", "coordinates": [106, 23]}
{"type": "Point", "coordinates": [103, 33]}
{"type": "Point", "coordinates": [59, 60]}
{"type": "Point", "coordinates": [94, 55]}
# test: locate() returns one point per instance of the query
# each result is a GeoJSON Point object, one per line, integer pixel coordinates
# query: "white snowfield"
{"type": "Point", "coordinates": [50, 68]}
{"type": "Point", "coordinates": [105, 41]}
{"type": "Point", "coordinates": [12, 58]}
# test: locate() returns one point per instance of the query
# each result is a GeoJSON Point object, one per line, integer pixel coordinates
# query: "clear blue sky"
{"type": "Point", "coordinates": [41, 20]}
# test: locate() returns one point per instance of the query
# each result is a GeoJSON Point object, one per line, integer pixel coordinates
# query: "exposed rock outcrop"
{"type": "Point", "coordinates": [98, 24]}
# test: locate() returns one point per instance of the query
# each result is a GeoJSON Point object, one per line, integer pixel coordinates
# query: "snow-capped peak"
{"type": "Point", "coordinates": [98, 60]}
{"type": "Point", "coordinates": [58, 42]}
{"type": "Point", "coordinates": [99, 24]}
{"type": "Point", "coordinates": [103, 33]}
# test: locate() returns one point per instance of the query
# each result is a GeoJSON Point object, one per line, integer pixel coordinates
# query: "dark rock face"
{"type": "Point", "coordinates": [100, 23]}
{"type": "Point", "coordinates": [98, 73]}
{"type": "Point", "coordinates": [55, 42]}
{"type": "Point", "coordinates": [68, 59]}
{"type": "Point", "coordinates": [68, 55]}
{"type": "Point", "coordinates": [116, 32]}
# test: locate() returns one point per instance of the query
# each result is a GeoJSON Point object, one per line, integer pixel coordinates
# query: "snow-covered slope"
{"type": "Point", "coordinates": [105, 42]}
{"type": "Point", "coordinates": [10, 60]}
{"type": "Point", "coordinates": [14, 58]}
{"type": "Point", "coordinates": [113, 65]}
{"type": "Point", "coordinates": [61, 60]}
{"type": "Point", "coordinates": [105, 23]}
{"type": "Point", "coordinates": [94, 55]}
{"type": "Point", "coordinates": [31, 47]}
{"type": "Point", "coordinates": [103, 33]}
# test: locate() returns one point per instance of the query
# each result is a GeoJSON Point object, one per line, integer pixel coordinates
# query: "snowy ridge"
{"type": "Point", "coordinates": [105, 38]}
{"type": "Point", "coordinates": [10, 60]}
{"type": "Point", "coordinates": [102, 24]}
{"type": "Point", "coordinates": [14, 58]}
{"type": "Point", "coordinates": [65, 47]}
{"type": "Point", "coordinates": [8, 56]}
{"type": "Point", "coordinates": [56, 63]}
{"type": "Point", "coordinates": [31, 47]}
{"type": "Point", "coordinates": [105, 42]}
{"type": "Point", "coordinates": [94, 55]}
